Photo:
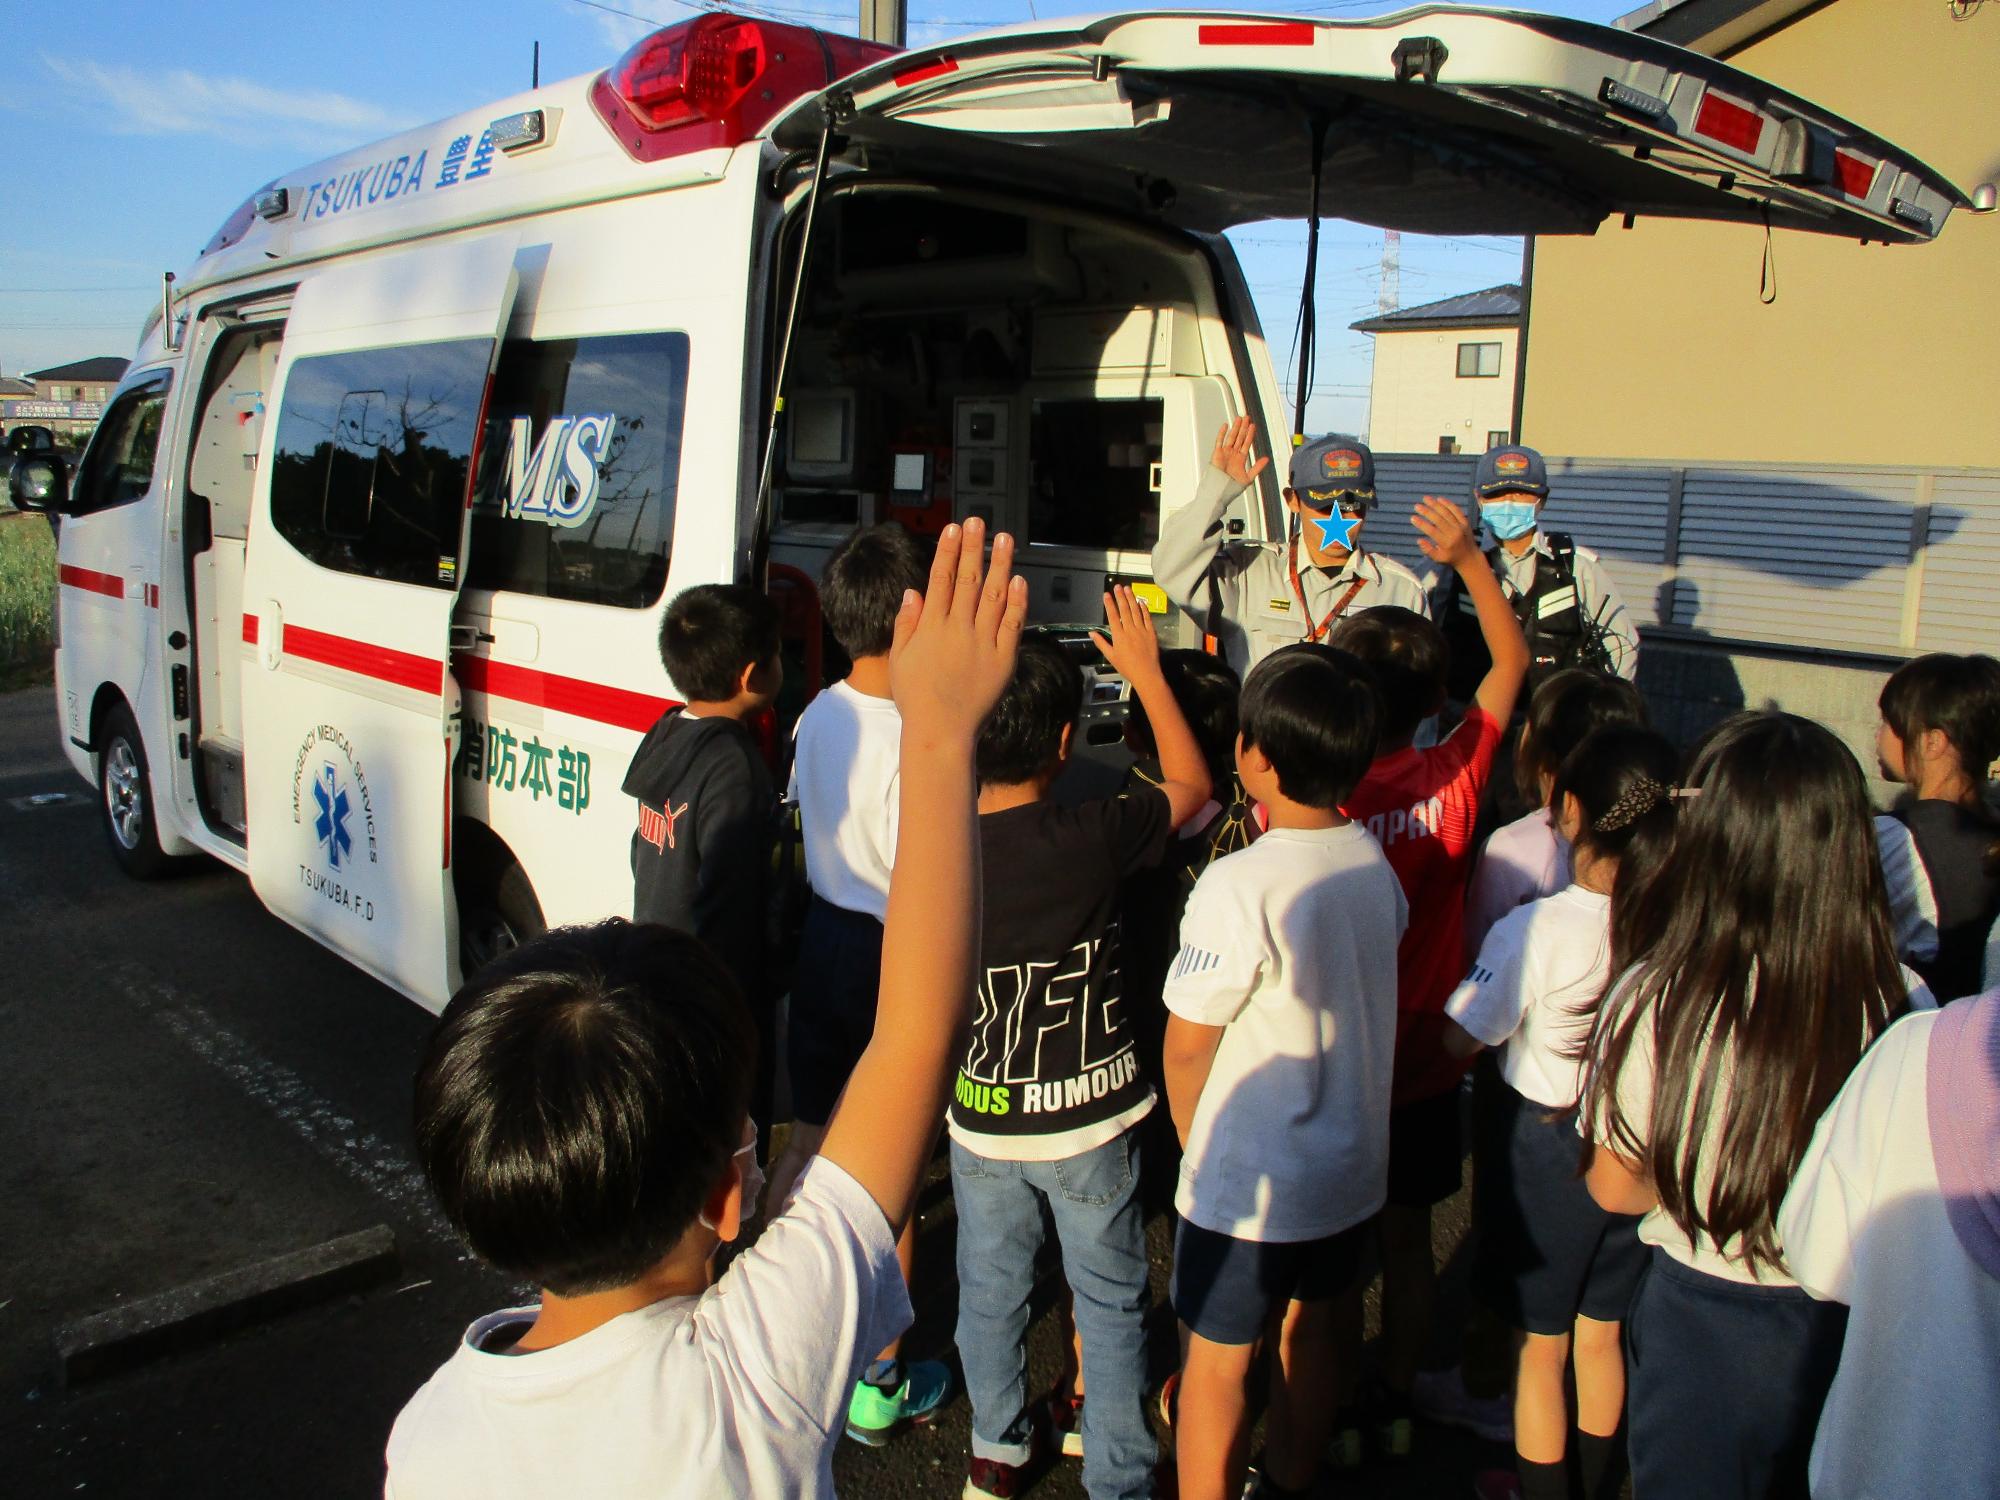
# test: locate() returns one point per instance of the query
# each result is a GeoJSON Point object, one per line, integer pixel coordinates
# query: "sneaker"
{"type": "Point", "coordinates": [1496, 1484]}
{"type": "Point", "coordinates": [1440, 1396]}
{"type": "Point", "coordinates": [1170, 1396]}
{"type": "Point", "coordinates": [991, 1480]}
{"type": "Point", "coordinates": [1065, 1419]}
{"type": "Point", "coordinates": [1348, 1449]}
{"type": "Point", "coordinates": [1395, 1425]}
{"type": "Point", "coordinates": [876, 1414]}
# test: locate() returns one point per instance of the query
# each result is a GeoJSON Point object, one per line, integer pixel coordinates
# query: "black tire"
{"type": "Point", "coordinates": [497, 917]}
{"type": "Point", "coordinates": [125, 798]}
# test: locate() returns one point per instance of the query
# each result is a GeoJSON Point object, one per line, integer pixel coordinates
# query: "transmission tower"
{"type": "Point", "coordinates": [1390, 295]}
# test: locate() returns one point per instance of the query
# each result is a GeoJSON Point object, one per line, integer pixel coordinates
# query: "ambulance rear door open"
{"type": "Point", "coordinates": [352, 570]}
{"type": "Point", "coordinates": [1436, 120]}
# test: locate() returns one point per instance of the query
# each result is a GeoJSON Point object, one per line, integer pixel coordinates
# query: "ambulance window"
{"type": "Point", "coordinates": [118, 465]}
{"type": "Point", "coordinates": [581, 467]}
{"type": "Point", "coordinates": [373, 453]}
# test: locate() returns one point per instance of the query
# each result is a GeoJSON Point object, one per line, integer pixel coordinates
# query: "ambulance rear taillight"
{"type": "Point", "coordinates": [717, 80]}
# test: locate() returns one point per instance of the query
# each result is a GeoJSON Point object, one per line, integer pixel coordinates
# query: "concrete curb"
{"type": "Point", "coordinates": [107, 1342]}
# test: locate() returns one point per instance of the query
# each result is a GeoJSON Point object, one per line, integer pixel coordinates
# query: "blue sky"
{"type": "Point", "coordinates": [134, 129]}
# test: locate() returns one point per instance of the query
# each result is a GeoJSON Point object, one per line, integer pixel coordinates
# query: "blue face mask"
{"type": "Point", "coordinates": [1508, 519]}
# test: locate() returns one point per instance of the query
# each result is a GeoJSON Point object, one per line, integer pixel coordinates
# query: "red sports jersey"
{"type": "Point", "coordinates": [1421, 806]}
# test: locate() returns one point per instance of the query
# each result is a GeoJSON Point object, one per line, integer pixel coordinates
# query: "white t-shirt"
{"type": "Point", "coordinates": [1523, 862]}
{"type": "Point", "coordinates": [1534, 987]}
{"type": "Point", "coordinates": [1635, 1103]}
{"type": "Point", "coordinates": [1915, 1407]}
{"type": "Point", "coordinates": [1913, 912]}
{"type": "Point", "coordinates": [1290, 947]}
{"type": "Point", "coordinates": [742, 1390]}
{"type": "Point", "coordinates": [846, 777]}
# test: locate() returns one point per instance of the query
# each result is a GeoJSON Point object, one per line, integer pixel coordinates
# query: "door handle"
{"type": "Point", "coordinates": [270, 635]}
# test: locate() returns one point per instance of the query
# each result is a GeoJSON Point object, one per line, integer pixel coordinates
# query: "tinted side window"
{"type": "Point", "coordinates": [580, 468]}
{"type": "Point", "coordinates": [374, 450]}
{"type": "Point", "coordinates": [118, 465]}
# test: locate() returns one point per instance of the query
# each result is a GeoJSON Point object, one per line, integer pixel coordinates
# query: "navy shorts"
{"type": "Point", "coordinates": [1547, 1252]}
{"type": "Point", "coordinates": [1426, 1151]}
{"type": "Point", "coordinates": [1724, 1384]}
{"type": "Point", "coordinates": [833, 1005]}
{"type": "Point", "coordinates": [1227, 1289]}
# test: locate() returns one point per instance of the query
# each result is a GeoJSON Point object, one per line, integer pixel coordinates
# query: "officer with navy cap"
{"type": "Point", "coordinates": [1561, 594]}
{"type": "Point", "coordinates": [1258, 596]}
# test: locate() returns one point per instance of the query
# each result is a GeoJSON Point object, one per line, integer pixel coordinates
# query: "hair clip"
{"type": "Point", "coordinates": [1682, 793]}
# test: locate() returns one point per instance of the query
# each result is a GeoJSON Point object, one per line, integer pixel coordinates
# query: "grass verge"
{"type": "Point", "coordinates": [27, 599]}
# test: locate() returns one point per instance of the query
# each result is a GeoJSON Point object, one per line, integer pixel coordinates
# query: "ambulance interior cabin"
{"type": "Point", "coordinates": [1060, 376]}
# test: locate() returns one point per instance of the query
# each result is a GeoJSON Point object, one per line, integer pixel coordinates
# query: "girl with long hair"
{"type": "Point", "coordinates": [1554, 1266]}
{"type": "Point", "coordinates": [1754, 968]}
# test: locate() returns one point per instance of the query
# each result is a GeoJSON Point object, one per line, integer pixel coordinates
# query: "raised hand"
{"type": "Point", "coordinates": [1445, 535]}
{"type": "Point", "coordinates": [1232, 452]}
{"type": "Point", "coordinates": [1131, 648]}
{"type": "Point", "coordinates": [954, 649]}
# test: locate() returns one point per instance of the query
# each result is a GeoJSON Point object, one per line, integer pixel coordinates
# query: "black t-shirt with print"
{"type": "Point", "coordinates": [1955, 845]}
{"type": "Point", "coordinates": [1052, 1054]}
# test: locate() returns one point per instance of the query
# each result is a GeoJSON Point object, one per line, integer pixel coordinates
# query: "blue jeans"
{"type": "Point", "coordinates": [1100, 1227]}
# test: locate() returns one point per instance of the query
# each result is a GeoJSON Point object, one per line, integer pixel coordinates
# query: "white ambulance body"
{"type": "Point", "coordinates": [363, 571]}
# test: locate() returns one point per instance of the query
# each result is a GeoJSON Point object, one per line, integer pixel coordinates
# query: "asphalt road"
{"type": "Point", "coordinates": [191, 1087]}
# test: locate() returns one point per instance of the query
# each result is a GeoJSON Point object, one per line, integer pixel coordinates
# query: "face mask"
{"type": "Point", "coordinates": [753, 1182]}
{"type": "Point", "coordinates": [1508, 519]}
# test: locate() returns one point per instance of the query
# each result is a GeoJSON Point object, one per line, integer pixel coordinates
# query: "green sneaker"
{"type": "Point", "coordinates": [875, 1414]}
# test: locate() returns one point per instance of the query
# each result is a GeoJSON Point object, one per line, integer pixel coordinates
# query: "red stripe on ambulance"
{"type": "Point", "coordinates": [567, 695]}
{"type": "Point", "coordinates": [385, 664]}
{"type": "Point", "coordinates": [92, 582]}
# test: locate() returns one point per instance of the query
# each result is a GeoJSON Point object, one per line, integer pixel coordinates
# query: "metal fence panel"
{"type": "Point", "coordinates": [1959, 603]}
{"type": "Point", "coordinates": [1806, 558]}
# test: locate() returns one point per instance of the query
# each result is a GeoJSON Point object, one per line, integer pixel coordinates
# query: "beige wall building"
{"type": "Point", "coordinates": [1443, 378]}
{"type": "Point", "coordinates": [1654, 342]}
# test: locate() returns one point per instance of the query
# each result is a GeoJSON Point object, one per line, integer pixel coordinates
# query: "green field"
{"type": "Point", "coordinates": [27, 596]}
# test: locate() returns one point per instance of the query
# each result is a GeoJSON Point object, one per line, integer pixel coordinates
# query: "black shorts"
{"type": "Point", "coordinates": [1426, 1151]}
{"type": "Point", "coordinates": [833, 1005]}
{"type": "Point", "coordinates": [1724, 1384]}
{"type": "Point", "coordinates": [1226, 1289]}
{"type": "Point", "coordinates": [1547, 1252]}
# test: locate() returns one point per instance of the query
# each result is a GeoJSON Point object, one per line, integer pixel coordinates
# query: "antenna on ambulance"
{"type": "Point", "coordinates": [535, 68]}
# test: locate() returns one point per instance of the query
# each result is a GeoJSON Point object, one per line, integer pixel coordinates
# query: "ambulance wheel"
{"type": "Point", "coordinates": [497, 918]}
{"type": "Point", "coordinates": [125, 798]}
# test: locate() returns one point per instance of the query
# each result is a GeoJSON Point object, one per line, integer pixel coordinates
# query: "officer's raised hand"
{"type": "Point", "coordinates": [1232, 452]}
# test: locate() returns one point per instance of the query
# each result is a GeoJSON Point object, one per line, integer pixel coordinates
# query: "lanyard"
{"type": "Point", "coordinates": [1314, 632]}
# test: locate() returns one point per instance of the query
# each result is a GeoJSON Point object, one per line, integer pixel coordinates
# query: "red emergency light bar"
{"type": "Point", "coordinates": [718, 80]}
{"type": "Point", "coordinates": [1734, 125]}
{"type": "Point", "coordinates": [1255, 34]}
{"type": "Point", "coordinates": [1856, 174]}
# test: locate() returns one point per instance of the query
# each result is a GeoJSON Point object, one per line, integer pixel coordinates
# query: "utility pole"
{"type": "Point", "coordinates": [1390, 293]}
{"type": "Point", "coordinates": [885, 21]}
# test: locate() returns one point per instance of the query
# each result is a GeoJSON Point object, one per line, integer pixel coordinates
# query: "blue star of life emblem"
{"type": "Point", "coordinates": [331, 824]}
{"type": "Point", "coordinates": [1336, 530]}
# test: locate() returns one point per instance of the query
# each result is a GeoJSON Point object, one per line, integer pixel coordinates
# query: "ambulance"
{"type": "Point", "coordinates": [362, 572]}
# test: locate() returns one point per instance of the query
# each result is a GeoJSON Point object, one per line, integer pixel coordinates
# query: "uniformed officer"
{"type": "Point", "coordinates": [1568, 609]}
{"type": "Point", "coordinates": [1258, 596]}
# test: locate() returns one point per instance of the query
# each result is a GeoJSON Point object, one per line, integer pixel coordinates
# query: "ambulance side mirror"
{"type": "Point", "coordinates": [39, 482]}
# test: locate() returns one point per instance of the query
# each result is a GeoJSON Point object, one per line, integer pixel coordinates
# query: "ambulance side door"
{"type": "Point", "coordinates": [356, 552]}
